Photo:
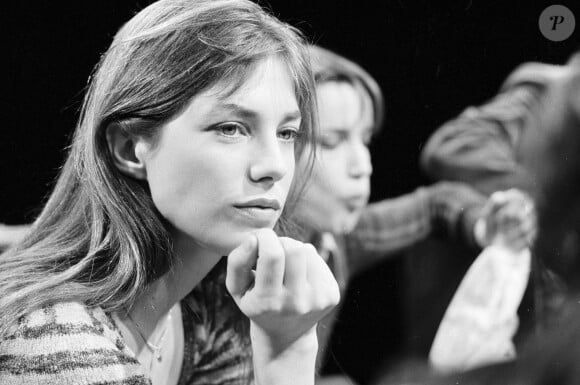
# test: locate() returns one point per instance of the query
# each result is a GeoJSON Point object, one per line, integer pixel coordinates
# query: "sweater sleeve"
{"type": "Point", "coordinates": [479, 147]}
{"type": "Point", "coordinates": [68, 344]}
{"type": "Point", "coordinates": [447, 209]}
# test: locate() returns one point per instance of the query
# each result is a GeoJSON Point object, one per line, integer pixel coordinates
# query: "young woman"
{"type": "Point", "coordinates": [333, 211]}
{"type": "Point", "coordinates": [184, 152]}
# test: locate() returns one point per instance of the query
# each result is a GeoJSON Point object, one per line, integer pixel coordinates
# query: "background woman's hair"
{"type": "Point", "coordinates": [99, 238]}
{"type": "Point", "coordinates": [550, 151]}
{"type": "Point", "coordinates": [329, 66]}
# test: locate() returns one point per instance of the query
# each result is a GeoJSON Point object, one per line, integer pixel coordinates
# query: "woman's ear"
{"type": "Point", "coordinates": [128, 151]}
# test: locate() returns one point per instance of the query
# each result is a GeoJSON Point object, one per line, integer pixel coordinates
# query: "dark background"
{"type": "Point", "coordinates": [432, 59]}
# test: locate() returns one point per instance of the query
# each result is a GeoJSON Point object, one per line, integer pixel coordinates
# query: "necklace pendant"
{"type": "Point", "coordinates": [159, 357]}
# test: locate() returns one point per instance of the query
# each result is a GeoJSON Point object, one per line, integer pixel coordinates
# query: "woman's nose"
{"type": "Point", "coordinates": [360, 165]}
{"type": "Point", "coordinates": [269, 163]}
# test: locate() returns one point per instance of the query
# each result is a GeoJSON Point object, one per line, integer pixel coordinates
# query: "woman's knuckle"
{"type": "Point", "coordinates": [309, 248]}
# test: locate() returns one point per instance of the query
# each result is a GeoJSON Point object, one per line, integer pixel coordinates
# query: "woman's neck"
{"type": "Point", "coordinates": [191, 264]}
{"type": "Point", "coordinates": [305, 231]}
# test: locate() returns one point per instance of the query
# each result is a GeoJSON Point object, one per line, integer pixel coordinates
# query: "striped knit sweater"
{"type": "Point", "coordinates": [71, 343]}
{"type": "Point", "coordinates": [68, 343]}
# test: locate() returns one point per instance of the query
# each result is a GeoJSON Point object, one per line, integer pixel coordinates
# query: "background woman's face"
{"type": "Point", "coordinates": [223, 167]}
{"type": "Point", "coordinates": [340, 185]}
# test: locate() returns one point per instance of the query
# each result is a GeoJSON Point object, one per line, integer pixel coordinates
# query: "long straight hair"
{"type": "Point", "coordinates": [99, 238]}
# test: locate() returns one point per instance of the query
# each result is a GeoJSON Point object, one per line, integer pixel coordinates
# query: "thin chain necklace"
{"type": "Point", "coordinates": [157, 350]}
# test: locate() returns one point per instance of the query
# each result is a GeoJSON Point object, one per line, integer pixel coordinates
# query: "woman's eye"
{"type": "Point", "coordinates": [331, 140]}
{"type": "Point", "coordinates": [231, 129]}
{"type": "Point", "coordinates": [288, 134]}
{"type": "Point", "coordinates": [367, 139]}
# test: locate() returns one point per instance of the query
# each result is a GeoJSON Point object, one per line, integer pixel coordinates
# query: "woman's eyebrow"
{"type": "Point", "coordinates": [250, 114]}
{"type": "Point", "coordinates": [237, 110]}
{"type": "Point", "coordinates": [291, 116]}
{"type": "Point", "coordinates": [337, 129]}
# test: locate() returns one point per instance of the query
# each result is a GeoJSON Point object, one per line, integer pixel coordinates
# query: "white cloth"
{"type": "Point", "coordinates": [481, 319]}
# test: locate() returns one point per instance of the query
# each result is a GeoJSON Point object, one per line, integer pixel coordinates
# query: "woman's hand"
{"type": "Point", "coordinates": [509, 218]}
{"type": "Point", "coordinates": [284, 287]}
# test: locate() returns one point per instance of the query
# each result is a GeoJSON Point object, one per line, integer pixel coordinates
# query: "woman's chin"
{"type": "Point", "coordinates": [346, 224]}
{"type": "Point", "coordinates": [232, 242]}
{"type": "Point", "coordinates": [342, 227]}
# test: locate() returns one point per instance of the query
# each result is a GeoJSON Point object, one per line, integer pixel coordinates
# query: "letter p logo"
{"type": "Point", "coordinates": [557, 23]}
{"type": "Point", "coordinates": [556, 20]}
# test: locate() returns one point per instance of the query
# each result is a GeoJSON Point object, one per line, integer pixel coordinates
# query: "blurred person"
{"type": "Point", "coordinates": [333, 213]}
{"type": "Point", "coordinates": [548, 152]}
{"type": "Point", "coordinates": [479, 147]}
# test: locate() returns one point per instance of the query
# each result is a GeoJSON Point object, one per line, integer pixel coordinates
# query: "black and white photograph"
{"type": "Point", "coordinates": [296, 192]}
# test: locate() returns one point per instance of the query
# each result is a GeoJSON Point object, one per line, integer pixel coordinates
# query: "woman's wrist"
{"type": "Point", "coordinates": [281, 360]}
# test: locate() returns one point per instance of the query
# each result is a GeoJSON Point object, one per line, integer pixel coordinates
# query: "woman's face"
{"type": "Point", "coordinates": [223, 167]}
{"type": "Point", "coordinates": [340, 185]}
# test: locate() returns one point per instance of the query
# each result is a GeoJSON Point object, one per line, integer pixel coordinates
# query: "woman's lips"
{"type": "Point", "coordinates": [260, 211]}
{"type": "Point", "coordinates": [355, 202]}
{"type": "Point", "coordinates": [258, 216]}
{"type": "Point", "coordinates": [261, 202]}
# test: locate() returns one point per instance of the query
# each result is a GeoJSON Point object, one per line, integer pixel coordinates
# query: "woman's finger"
{"type": "Point", "coordinates": [241, 261]}
{"type": "Point", "coordinates": [296, 263]}
{"type": "Point", "coordinates": [322, 281]}
{"type": "Point", "coordinates": [271, 260]}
